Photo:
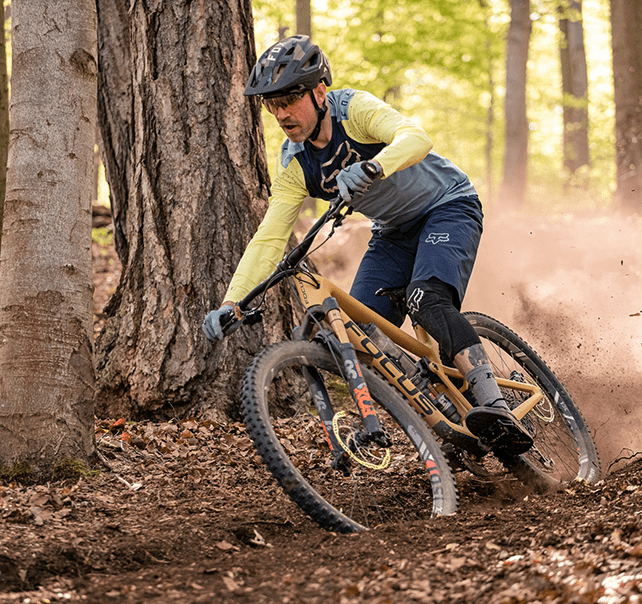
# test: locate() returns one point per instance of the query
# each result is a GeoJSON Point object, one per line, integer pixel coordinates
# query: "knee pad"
{"type": "Point", "coordinates": [431, 304]}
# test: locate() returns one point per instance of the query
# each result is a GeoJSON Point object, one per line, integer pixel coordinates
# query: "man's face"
{"type": "Point", "coordinates": [295, 113]}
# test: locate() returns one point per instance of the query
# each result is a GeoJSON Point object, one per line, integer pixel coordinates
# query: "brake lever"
{"type": "Point", "coordinates": [251, 317]}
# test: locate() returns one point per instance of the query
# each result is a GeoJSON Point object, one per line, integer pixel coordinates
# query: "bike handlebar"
{"type": "Point", "coordinates": [297, 254]}
{"type": "Point", "coordinates": [293, 258]}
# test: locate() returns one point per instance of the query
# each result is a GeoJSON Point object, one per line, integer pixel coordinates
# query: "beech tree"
{"type": "Point", "coordinates": [513, 188]}
{"type": "Point", "coordinates": [574, 87]}
{"type": "Point", "coordinates": [185, 161]}
{"type": "Point", "coordinates": [626, 24]}
{"type": "Point", "coordinates": [4, 123]}
{"type": "Point", "coordinates": [46, 333]}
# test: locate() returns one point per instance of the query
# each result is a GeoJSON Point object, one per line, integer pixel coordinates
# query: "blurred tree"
{"type": "Point", "coordinates": [4, 123]}
{"type": "Point", "coordinates": [513, 189]}
{"type": "Point", "coordinates": [46, 331]}
{"type": "Point", "coordinates": [626, 24]}
{"type": "Point", "coordinates": [185, 162]}
{"type": "Point", "coordinates": [574, 86]}
{"type": "Point", "coordinates": [303, 18]}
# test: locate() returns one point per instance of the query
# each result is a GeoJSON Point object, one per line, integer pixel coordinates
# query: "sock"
{"type": "Point", "coordinates": [484, 387]}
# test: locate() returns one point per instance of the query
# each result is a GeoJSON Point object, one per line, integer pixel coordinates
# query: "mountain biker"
{"type": "Point", "coordinates": [427, 217]}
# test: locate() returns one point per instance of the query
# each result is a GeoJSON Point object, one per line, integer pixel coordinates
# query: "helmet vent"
{"type": "Point", "coordinates": [313, 61]}
{"type": "Point", "coordinates": [277, 72]}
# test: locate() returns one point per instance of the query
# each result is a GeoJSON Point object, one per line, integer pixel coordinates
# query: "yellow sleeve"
{"type": "Point", "coordinates": [370, 120]}
{"type": "Point", "coordinates": [266, 248]}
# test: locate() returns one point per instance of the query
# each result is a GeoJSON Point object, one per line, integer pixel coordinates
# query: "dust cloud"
{"type": "Point", "coordinates": [571, 286]}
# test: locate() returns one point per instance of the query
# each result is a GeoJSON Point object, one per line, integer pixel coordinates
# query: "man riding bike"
{"type": "Point", "coordinates": [427, 217]}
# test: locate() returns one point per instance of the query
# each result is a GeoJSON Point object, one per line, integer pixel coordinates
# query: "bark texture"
{"type": "Point", "coordinates": [513, 189]}
{"type": "Point", "coordinates": [626, 24]}
{"type": "Point", "coordinates": [46, 371]}
{"type": "Point", "coordinates": [185, 161]}
{"type": "Point", "coordinates": [4, 124]}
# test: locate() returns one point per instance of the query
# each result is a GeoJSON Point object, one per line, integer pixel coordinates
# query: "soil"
{"type": "Point", "coordinates": [184, 511]}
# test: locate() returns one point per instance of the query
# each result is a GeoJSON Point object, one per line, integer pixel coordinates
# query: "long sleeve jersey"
{"type": "Point", "coordinates": [415, 179]}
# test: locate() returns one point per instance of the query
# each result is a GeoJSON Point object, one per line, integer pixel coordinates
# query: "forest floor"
{"type": "Point", "coordinates": [184, 511]}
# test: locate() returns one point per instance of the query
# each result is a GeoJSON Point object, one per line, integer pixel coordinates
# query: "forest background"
{"type": "Point", "coordinates": [189, 182]}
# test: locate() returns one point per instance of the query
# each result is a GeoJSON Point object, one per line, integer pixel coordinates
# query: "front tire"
{"type": "Point", "coordinates": [283, 422]}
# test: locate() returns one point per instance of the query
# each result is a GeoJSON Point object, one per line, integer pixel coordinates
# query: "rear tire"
{"type": "Point", "coordinates": [564, 449]}
{"type": "Point", "coordinates": [284, 425]}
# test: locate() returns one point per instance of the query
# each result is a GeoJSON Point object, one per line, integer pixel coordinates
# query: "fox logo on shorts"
{"type": "Point", "coordinates": [436, 238]}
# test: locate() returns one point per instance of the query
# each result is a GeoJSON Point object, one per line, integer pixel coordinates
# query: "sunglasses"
{"type": "Point", "coordinates": [281, 102]}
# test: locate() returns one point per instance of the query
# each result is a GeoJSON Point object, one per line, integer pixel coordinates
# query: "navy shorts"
{"type": "Point", "coordinates": [441, 244]}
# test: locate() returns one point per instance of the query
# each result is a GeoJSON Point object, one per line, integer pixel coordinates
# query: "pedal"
{"type": "Point", "coordinates": [499, 430]}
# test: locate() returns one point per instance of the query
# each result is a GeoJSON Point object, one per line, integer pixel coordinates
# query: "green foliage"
{"type": "Point", "coordinates": [20, 472]}
{"type": "Point", "coordinates": [72, 470]}
{"type": "Point", "coordinates": [103, 237]}
{"type": "Point", "coordinates": [442, 61]}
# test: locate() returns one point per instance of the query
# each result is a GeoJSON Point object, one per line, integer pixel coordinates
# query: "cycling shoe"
{"type": "Point", "coordinates": [499, 430]}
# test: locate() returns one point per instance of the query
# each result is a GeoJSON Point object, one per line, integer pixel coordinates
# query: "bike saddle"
{"type": "Point", "coordinates": [499, 430]}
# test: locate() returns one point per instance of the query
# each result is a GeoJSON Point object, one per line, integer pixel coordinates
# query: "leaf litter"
{"type": "Point", "coordinates": [185, 511]}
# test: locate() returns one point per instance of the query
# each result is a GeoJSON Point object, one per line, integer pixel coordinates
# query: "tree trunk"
{"type": "Point", "coordinates": [513, 189]}
{"type": "Point", "coordinates": [186, 165]}
{"type": "Point", "coordinates": [626, 25]}
{"type": "Point", "coordinates": [46, 370]}
{"type": "Point", "coordinates": [303, 18]}
{"type": "Point", "coordinates": [4, 123]}
{"type": "Point", "coordinates": [574, 88]}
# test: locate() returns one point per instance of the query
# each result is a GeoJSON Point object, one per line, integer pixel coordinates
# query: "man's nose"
{"type": "Point", "coordinates": [281, 113]}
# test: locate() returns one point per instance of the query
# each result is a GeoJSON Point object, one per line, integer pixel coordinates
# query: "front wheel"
{"type": "Point", "coordinates": [408, 480]}
{"type": "Point", "coordinates": [563, 448]}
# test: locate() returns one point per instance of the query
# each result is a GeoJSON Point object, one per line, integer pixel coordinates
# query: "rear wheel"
{"type": "Point", "coordinates": [409, 480]}
{"type": "Point", "coordinates": [564, 449]}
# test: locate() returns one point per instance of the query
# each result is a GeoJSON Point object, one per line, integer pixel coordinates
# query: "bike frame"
{"type": "Point", "coordinates": [315, 291]}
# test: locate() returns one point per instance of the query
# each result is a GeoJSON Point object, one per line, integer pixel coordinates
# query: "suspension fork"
{"type": "Point", "coordinates": [351, 370]}
{"type": "Point", "coordinates": [353, 375]}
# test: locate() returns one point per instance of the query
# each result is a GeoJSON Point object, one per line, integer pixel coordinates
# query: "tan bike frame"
{"type": "Point", "coordinates": [314, 290]}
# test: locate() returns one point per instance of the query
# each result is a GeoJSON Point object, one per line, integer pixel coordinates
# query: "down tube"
{"type": "Point", "coordinates": [449, 431]}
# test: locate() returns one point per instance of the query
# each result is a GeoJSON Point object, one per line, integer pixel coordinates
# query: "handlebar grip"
{"type": "Point", "coordinates": [227, 318]}
{"type": "Point", "coordinates": [371, 169]}
{"type": "Point", "coordinates": [229, 322]}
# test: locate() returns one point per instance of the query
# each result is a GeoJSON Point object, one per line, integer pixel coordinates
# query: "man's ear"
{"type": "Point", "coordinates": [319, 94]}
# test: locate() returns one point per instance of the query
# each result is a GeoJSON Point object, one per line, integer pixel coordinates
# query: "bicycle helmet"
{"type": "Point", "coordinates": [292, 65]}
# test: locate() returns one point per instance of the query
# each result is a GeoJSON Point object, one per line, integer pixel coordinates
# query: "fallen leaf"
{"type": "Point", "coordinates": [230, 583]}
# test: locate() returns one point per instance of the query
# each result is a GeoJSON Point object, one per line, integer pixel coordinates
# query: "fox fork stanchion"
{"type": "Point", "coordinates": [353, 375]}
